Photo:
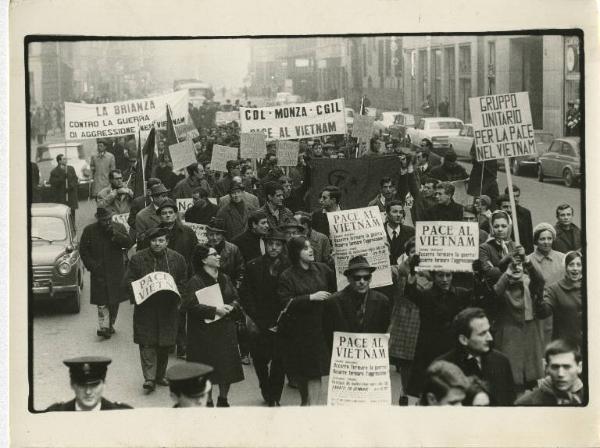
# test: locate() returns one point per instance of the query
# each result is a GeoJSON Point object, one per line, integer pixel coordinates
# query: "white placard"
{"type": "Point", "coordinates": [122, 219]}
{"type": "Point", "coordinates": [182, 154]}
{"type": "Point", "coordinates": [360, 231]}
{"type": "Point", "coordinates": [252, 145]}
{"type": "Point", "coordinates": [294, 121]}
{"type": "Point", "coordinates": [502, 126]}
{"type": "Point", "coordinates": [447, 245]}
{"type": "Point", "coordinates": [183, 204]}
{"type": "Point", "coordinates": [147, 286]}
{"type": "Point", "coordinates": [210, 296]}
{"type": "Point", "coordinates": [199, 230]}
{"type": "Point", "coordinates": [360, 371]}
{"type": "Point", "coordinates": [221, 155]}
{"type": "Point", "coordinates": [83, 121]}
{"type": "Point", "coordinates": [362, 128]}
{"type": "Point", "coordinates": [287, 153]}
{"type": "Point", "coordinates": [222, 118]}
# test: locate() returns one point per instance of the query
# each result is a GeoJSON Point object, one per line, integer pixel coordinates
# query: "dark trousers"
{"type": "Point", "coordinates": [181, 332]}
{"type": "Point", "coordinates": [268, 365]}
{"type": "Point", "coordinates": [107, 315]}
{"type": "Point", "coordinates": [154, 361]}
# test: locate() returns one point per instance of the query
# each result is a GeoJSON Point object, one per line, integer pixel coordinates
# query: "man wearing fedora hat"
{"type": "Point", "coordinates": [139, 203]}
{"type": "Point", "coordinates": [291, 227]}
{"type": "Point", "coordinates": [101, 249]}
{"type": "Point", "coordinates": [259, 298]}
{"type": "Point", "coordinates": [147, 218]}
{"type": "Point", "coordinates": [88, 376]}
{"type": "Point", "coordinates": [357, 308]}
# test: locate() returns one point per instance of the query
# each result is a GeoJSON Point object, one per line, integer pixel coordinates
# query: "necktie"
{"type": "Point", "coordinates": [394, 236]}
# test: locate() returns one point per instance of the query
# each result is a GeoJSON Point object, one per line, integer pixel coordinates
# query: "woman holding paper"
{"type": "Point", "coordinates": [211, 302]}
{"type": "Point", "coordinates": [302, 289]}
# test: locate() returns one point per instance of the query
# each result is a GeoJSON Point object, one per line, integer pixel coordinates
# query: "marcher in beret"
{"type": "Point", "coordinates": [189, 384]}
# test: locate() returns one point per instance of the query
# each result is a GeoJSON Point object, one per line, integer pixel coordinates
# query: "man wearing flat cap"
{"type": "Point", "coordinates": [101, 249]}
{"type": "Point", "coordinates": [357, 308]}
{"type": "Point", "coordinates": [147, 218]}
{"type": "Point", "coordinates": [235, 214]}
{"type": "Point", "coordinates": [88, 375]}
{"type": "Point", "coordinates": [139, 203]}
{"type": "Point", "coordinates": [189, 384]}
{"type": "Point", "coordinates": [155, 319]}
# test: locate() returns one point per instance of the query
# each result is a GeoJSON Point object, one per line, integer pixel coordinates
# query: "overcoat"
{"type": "Point", "coordinates": [64, 186]}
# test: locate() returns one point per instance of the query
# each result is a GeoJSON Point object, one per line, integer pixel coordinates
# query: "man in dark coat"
{"type": "Point", "coordinates": [251, 243]}
{"type": "Point", "coordinates": [397, 233]}
{"type": "Point", "coordinates": [235, 214]}
{"type": "Point", "coordinates": [35, 182]}
{"type": "Point", "coordinates": [147, 218]}
{"type": "Point", "coordinates": [101, 248]}
{"type": "Point", "coordinates": [357, 308]}
{"type": "Point", "coordinates": [449, 171]}
{"type": "Point", "coordinates": [88, 374]}
{"type": "Point", "coordinates": [203, 210]}
{"type": "Point", "coordinates": [475, 356]}
{"type": "Point", "coordinates": [483, 179]}
{"type": "Point", "coordinates": [223, 186]}
{"type": "Point", "coordinates": [195, 178]}
{"type": "Point", "coordinates": [260, 301]}
{"type": "Point", "coordinates": [445, 209]}
{"type": "Point", "coordinates": [63, 182]}
{"type": "Point", "coordinates": [276, 212]}
{"type": "Point", "coordinates": [139, 203]}
{"type": "Point", "coordinates": [330, 199]}
{"type": "Point", "coordinates": [568, 235]}
{"type": "Point", "coordinates": [155, 318]}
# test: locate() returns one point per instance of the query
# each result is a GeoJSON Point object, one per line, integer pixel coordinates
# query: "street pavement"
{"type": "Point", "coordinates": [58, 336]}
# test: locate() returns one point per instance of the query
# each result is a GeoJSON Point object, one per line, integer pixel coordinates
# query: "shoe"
{"type": "Point", "coordinates": [149, 386]}
{"type": "Point", "coordinates": [210, 404]}
{"type": "Point", "coordinates": [403, 401]}
{"type": "Point", "coordinates": [162, 382]}
{"type": "Point", "coordinates": [222, 402]}
{"type": "Point", "coordinates": [104, 332]}
{"type": "Point", "coordinates": [246, 360]}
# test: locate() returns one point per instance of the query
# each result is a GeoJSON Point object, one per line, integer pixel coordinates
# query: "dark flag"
{"type": "Point", "coordinates": [145, 158]}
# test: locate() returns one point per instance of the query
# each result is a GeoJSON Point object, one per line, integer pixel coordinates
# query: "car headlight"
{"type": "Point", "coordinates": [64, 268]}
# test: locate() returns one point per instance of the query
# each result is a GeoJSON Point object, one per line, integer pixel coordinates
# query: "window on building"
{"type": "Point", "coordinates": [380, 58]}
{"type": "Point", "coordinates": [364, 49]}
{"type": "Point", "coordinates": [464, 59]}
{"type": "Point", "coordinates": [371, 50]}
{"type": "Point", "coordinates": [388, 58]}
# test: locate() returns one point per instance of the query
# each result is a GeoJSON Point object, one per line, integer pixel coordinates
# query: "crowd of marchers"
{"type": "Point", "coordinates": [509, 333]}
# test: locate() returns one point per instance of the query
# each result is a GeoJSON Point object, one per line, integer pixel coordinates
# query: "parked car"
{"type": "Point", "coordinates": [46, 161]}
{"type": "Point", "coordinates": [562, 160]}
{"type": "Point", "coordinates": [349, 113]}
{"type": "Point", "coordinates": [519, 165]}
{"type": "Point", "coordinates": [433, 133]}
{"type": "Point", "coordinates": [402, 121]}
{"type": "Point", "coordinates": [384, 121]}
{"type": "Point", "coordinates": [57, 269]}
{"type": "Point", "coordinates": [463, 142]}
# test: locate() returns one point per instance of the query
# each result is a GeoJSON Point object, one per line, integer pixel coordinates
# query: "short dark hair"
{"type": "Point", "coordinates": [447, 187]}
{"type": "Point", "coordinates": [271, 188]}
{"type": "Point", "coordinates": [429, 180]}
{"type": "Point", "coordinates": [334, 192]}
{"type": "Point", "coordinates": [562, 207]}
{"type": "Point", "coordinates": [111, 174]}
{"type": "Point", "coordinates": [245, 169]}
{"type": "Point", "coordinates": [385, 180]}
{"type": "Point", "coordinates": [515, 189]}
{"type": "Point", "coordinates": [59, 158]}
{"type": "Point", "coordinates": [560, 346]}
{"type": "Point", "coordinates": [294, 247]}
{"type": "Point", "coordinates": [440, 378]}
{"type": "Point", "coordinates": [410, 243]}
{"type": "Point", "coordinates": [424, 154]}
{"type": "Point", "coordinates": [202, 191]}
{"type": "Point", "coordinates": [191, 169]}
{"type": "Point", "coordinates": [255, 217]}
{"type": "Point", "coordinates": [570, 256]}
{"type": "Point", "coordinates": [231, 164]}
{"type": "Point", "coordinates": [462, 321]}
{"type": "Point", "coordinates": [304, 218]}
{"type": "Point", "coordinates": [502, 198]}
{"type": "Point", "coordinates": [395, 202]}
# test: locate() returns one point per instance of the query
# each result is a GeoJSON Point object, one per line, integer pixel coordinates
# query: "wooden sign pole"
{"type": "Point", "coordinates": [511, 195]}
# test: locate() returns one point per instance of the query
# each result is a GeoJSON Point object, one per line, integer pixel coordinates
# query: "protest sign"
{"type": "Point", "coordinates": [252, 145]}
{"type": "Point", "coordinates": [222, 118]}
{"type": "Point", "coordinates": [363, 127]}
{"type": "Point", "coordinates": [182, 154]}
{"type": "Point", "coordinates": [199, 230]}
{"type": "Point", "coordinates": [360, 371]}
{"type": "Point", "coordinates": [147, 286]}
{"type": "Point", "coordinates": [183, 204]}
{"type": "Point", "coordinates": [447, 245]}
{"type": "Point", "coordinates": [287, 153]}
{"type": "Point", "coordinates": [192, 134]}
{"type": "Point", "coordinates": [122, 219]}
{"type": "Point", "coordinates": [83, 121]}
{"type": "Point", "coordinates": [502, 126]}
{"type": "Point", "coordinates": [356, 232]}
{"type": "Point", "coordinates": [210, 296]}
{"type": "Point", "coordinates": [221, 155]}
{"type": "Point", "coordinates": [294, 121]}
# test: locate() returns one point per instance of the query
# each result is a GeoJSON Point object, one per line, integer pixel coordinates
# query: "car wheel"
{"type": "Point", "coordinates": [568, 178]}
{"type": "Point", "coordinates": [540, 173]}
{"type": "Point", "coordinates": [73, 303]}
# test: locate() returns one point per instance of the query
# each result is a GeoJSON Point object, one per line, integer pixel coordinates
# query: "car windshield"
{"type": "Point", "coordinates": [445, 125]}
{"type": "Point", "coordinates": [48, 228]}
{"type": "Point", "coordinates": [72, 153]}
{"type": "Point", "coordinates": [409, 120]}
{"type": "Point", "coordinates": [349, 113]}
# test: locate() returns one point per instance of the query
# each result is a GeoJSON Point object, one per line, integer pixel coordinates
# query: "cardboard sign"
{"type": "Point", "coordinates": [447, 245]}
{"type": "Point", "coordinates": [294, 121]}
{"type": "Point", "coordinates": [287, 153]}
{"type": "Point", "coordinates": [252, 145]}
{"type": "Point", "coordinates": [222, 118]}
{"type": "Point", "coordinates": [502, 126]}
{"type": "Point", "coordinates": [360, 371]}
{"type": "Point", "coordinates": [122, 219]}
{"type": "Point", "coordinates": [210, 296]}
{"type": "Point", "coordinates": [363, 127]}
{"type": "Point", "coordinates": [182, 154]}
{"type": "Point", "coordinates": [183, 204]}
{"type": "Point", "coordinates": [152, 283]}
{"type": "Point", "coordinates": [199, 230]}
{"type": "Point", "coordinates": [356, 232]}
{"type": "Point", "coordinates": [83, 121]}
{"type": "Point", "coordinates": [220, 156]}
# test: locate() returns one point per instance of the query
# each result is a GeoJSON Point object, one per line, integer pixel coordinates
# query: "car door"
{"type": "Point", "coordinates": [568, 158]}
{"type": "Point", "coordinates": [550, 159]}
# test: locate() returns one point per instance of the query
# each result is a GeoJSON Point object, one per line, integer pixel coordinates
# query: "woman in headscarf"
{"type": "Point", "coordinates": [302, 289]}
{"type": "Point", "coordinates": [208, 341]}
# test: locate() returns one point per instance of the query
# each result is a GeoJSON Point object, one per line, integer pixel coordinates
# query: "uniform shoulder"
{"type": "Point", "coordinates": [107, 405]}
{"type": "Point", "coordinates": [61, 406]}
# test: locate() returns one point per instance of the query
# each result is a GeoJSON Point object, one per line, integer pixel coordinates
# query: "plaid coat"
{"type": "Point", "coordinates": [405, 320]}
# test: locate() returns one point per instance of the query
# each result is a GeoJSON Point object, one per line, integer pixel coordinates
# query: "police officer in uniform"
{"type": "Point", "coordinates": [88, 375]}
{"type": "Point", "coordinates": [189, 384]}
